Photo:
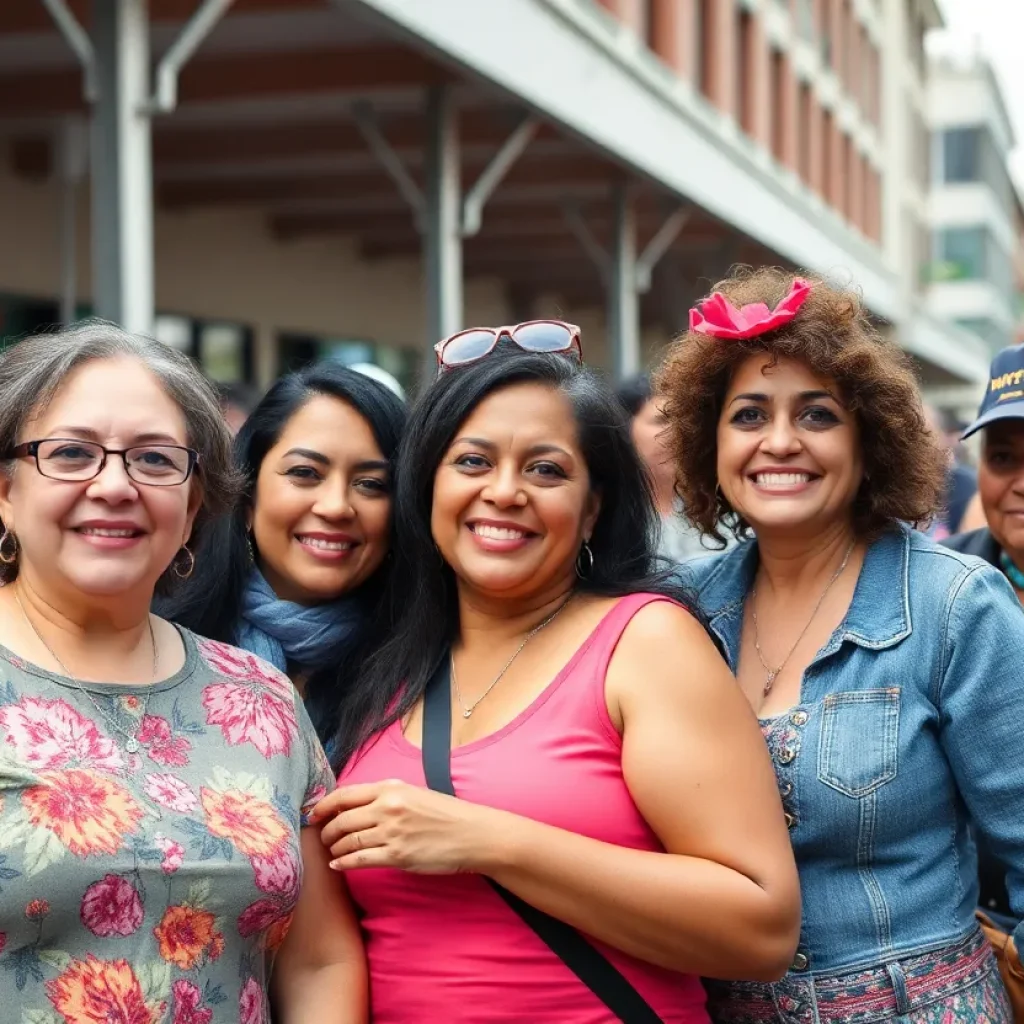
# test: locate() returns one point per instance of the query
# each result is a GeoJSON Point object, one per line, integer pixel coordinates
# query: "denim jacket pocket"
{"type": "Point", "coordinates": [859, 736]}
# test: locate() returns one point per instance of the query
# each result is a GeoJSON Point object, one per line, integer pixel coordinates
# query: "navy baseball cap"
{"type": "Point", "coordinates": [1004, 396]}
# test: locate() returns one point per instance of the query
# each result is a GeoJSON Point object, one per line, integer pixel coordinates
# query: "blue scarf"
{"type": "Point", "coordinates": [285, 633]}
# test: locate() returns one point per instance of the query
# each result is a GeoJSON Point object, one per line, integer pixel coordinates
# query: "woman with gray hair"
{"type": "Point", "coordinates": [151, 783]}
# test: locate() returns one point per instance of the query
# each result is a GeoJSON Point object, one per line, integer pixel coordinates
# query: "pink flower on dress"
{"type": "Point", "coordinates": [171, 792]}
{"type": "Point", "coordinates": [249, 713]}
{"type": "Point", "coordinates": [51, 735]}
{"type": "Point", "coordinates": [161, 745]}
{"type": "Point", "coordinates": [278, 873]}
{"type": "Point", "coordinates": [260, 916]}
{"type": "Point", "coordinates": [252, 1007]}
{"type": "Point", "coordinates": [112, 906]}
{"type": "Point", "coordinates": [174, 853]}
{"type": "Point", "coordinates": [187, 997]}
{"type": "Point", "coordinates": [243, 667]}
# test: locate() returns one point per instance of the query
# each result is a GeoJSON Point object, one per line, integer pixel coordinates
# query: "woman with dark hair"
{"type": "Point", "coordinates": [885, 669]}
{"type": "Point", "coordinates": [296, 573]}
{"type": "Point", "coordinates": [611, 779]}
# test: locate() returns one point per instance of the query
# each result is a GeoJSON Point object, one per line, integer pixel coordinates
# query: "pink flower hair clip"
{"type": "Point", "coordinates": [719, 318]}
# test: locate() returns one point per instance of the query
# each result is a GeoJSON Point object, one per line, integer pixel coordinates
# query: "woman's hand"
{"type": "Point", "coordinates": [395, 825]}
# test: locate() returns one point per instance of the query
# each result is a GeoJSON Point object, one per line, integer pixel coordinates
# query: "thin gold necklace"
{"type": "Point", "coordinates": [771, 674]}
{"type": "Point", "coordinates": [467, 710]}
{"type": "Point", "coordinates": [131, 738]}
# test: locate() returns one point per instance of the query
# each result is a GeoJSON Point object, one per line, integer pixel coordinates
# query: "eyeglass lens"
{"type": "Point", "coordinates": [543, 337]}
{"type": "Point", "coordinates": [80, 460]}
{"type": "Point", "coordinates": [466, 347]}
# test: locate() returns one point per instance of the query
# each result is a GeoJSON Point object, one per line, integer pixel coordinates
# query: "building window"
{"type": "Point", "coordinates": [781, 112]}
{"type": "Point", "coordinates": [705, 50]}
{"type": "Point", "coordinates": [961, 155]}
{"type": "Point", "coordinates": [223, 350]}
{"type": "Point", "coordinates": [296, 350]}
{"type": "Point", "coordinates": [746, 69]}
{"type": "Point", "coordinates": [805, 131]}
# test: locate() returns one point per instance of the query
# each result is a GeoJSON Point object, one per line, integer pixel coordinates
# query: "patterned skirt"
{"type": "Point", "coordinates": [958, 984]}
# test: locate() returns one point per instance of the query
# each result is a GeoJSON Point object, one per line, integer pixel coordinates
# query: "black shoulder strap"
{"type": "Point", "coordinates": [593, 969]}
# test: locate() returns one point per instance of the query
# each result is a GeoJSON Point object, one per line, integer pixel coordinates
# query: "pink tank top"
{"type": "Point", "coordinates": [446, 948]}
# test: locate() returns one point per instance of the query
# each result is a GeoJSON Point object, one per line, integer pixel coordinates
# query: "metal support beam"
{"type": "Point", "coordinates": [591, 246]}
{"type": "Point", "coordinates": [366, 122]}
{"type": "Point", "coordinates": [78, 39]}
{"type": "Point", "coordinates": [511, 150]}
{"type": "Point", "coordinates": [198, 27]}
{"type": "Point", "coordinates": [623, 298]}
{"type": "Point", "coordinates": [442, 217]}
{"type": "Point", "coordinates": [73, 150]}
{"type": "Point", "coordinates": [659, 245]}
{"type": "Point", "coordinates": [122, 172]}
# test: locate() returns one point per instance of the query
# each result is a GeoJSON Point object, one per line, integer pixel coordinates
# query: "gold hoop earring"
{"type": "Point", "coordinates": [4, 557]}
{"type": "Point", "coordinates": [184, 575]}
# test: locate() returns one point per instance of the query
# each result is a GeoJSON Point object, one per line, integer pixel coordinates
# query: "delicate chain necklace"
{"type": "Point", "coordinates": [771, 674]}
{"type": "Point", "coordinates": [467, 711]}
{"type": "Point", "coordinates": [131, 738]}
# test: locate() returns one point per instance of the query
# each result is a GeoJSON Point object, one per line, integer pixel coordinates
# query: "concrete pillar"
{"type": "Point", "coordinates": [789, 113]}
{"type": "Point", "coordinates": [758, 80]}
{"type": "Point", "coordinates": [721, 51]}
{"type": "Point", "coordinates": [442, 236]}
{"type": "Point", "coordinates": [122, 172]}
{"type": "Point", "coordinates": [674, 34]}
{"type": "Point", "coordinates": [623, 298]}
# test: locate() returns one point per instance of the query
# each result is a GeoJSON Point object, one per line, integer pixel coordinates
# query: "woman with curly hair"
{"type": "Point", "coordinates": [884, 668]}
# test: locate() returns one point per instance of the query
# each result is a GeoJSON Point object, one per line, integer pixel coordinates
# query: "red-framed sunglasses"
{"type": "Point", "coordinates": [552, 336]}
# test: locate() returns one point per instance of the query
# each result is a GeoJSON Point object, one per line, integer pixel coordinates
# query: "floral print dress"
{"type": "Point", "coordinates": [150, 887]}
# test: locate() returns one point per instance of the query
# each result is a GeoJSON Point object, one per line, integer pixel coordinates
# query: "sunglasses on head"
{"type": "Point", "coordinates": [550, 336]}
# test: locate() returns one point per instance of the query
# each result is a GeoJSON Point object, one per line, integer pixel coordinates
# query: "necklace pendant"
{"type": "Point", "coordinates": [468, 713]}
{"type": "Point", "coordinates": [132, 746]}
{"type": "Point", "coordinates": [769, 682]}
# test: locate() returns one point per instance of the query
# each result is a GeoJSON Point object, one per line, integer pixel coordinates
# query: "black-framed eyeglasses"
{"type": "Point", "coordinates": [71, 459]}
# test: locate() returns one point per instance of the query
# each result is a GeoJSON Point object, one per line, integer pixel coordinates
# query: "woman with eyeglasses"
{"type": "Point", "coordinates": [296, 573]}
{"type": "Point", "coordinates": [152, 861]}
{"type": "Point", "coordinates": [555, 804]}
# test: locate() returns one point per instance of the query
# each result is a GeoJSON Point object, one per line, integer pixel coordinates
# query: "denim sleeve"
{"type": "Point", "coordinates": [981, 705]}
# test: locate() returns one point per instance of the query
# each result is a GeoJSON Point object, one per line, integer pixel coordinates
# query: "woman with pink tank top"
{"type": "Point", "coordinates": [615, 831]}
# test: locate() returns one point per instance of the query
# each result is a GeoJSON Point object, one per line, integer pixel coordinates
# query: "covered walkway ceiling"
{"type": "Point", "coordinates": [265, 119]}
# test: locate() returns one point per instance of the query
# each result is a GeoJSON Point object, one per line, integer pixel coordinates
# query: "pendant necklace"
{"type": "Point", "coordinates": [468, 709]}
{"type": "Point", "coordinates": [131, 743]}
{"type": "Point", "coordinates": [771, 674]}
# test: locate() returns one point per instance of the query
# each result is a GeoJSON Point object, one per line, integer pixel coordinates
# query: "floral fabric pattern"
{"type": "Point", "coordinates": [151, 887]}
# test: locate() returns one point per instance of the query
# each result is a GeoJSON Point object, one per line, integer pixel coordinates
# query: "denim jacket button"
{"type": "Point", "coordinates": [786, 754]}
{"type": "Point", "coordinates": [790, 821]}
{"type": "Point", "coordinates": [798, 718]}
{"type": "Point", "coordinates": [786, 788]}
{"type": "Point", "coordinates": [800, 962]}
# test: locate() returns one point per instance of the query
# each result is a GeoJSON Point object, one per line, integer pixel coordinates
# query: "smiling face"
{"type": "Point", "coordinates": [322, 508]}
{"type": "Point", "coordinates": [1001, 485]}
{"type": "Point", "coordinates": [109, 538]}
{"type": "Point", "coordinates": [789, 456]}
{"type": "Point", "coordinates": [512, 499]}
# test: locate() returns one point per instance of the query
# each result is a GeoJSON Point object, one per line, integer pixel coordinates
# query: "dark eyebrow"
{"type": "Point", "coordinates": [805, 396]}
{"type": "Point", "coordinates": [87, 433]}
{"type": "Point", "coordinates": [537, 449]}
{"type": "Point", "coordinates": [548, 449]}
{"type": "Point", "coordinates": [476, 442]}
{"type": "Point", "coordinates": [308, 453]}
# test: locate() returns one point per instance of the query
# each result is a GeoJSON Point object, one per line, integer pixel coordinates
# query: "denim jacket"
{"type": "Point", "coordinates": [909, 729]}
